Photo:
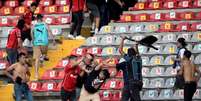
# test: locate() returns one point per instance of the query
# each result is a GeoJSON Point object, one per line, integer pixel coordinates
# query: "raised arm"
{"type": "Point", "coordinates": [121, 46]}
{"type": "Point", "coordinates": [77, 62]}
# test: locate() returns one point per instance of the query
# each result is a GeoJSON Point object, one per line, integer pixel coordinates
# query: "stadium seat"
{"type": "Point", "coordinates": [113, 61]}
{"type": "Point", "coordinates": [50, 9]}
{"type": "Point", "coordinates": [60, 75]}
{"type": "Point", "coordinates": [64, 9]}
{"type": "Point", "coordinates": [197, 48]}
{"type": "Point", "coordinates": [142, 49]}
{"type": "Point", "coordinates": [11, 3]}
{"type": "Point", "coordinates": [119, 74]}
{"type": "Point", "coordinates": [35, 86]}
{"type": "Point", "coordinates": [45, 2]}
{"type": "Point", "coordinates": [6, 11]}
{"type": "Point", "coordinates": [169, 83]}
{"type": "Point", "coordinates": [127, 18]}
{"type": "Point", "coordinates": [95, 40]}
{"type": "Point", "coordinates": [106, 29]}
{"type": "Point", "coordinates": [187, 15]}
{"type": "Point", "coordinates": [63, 20]}
{"type": "Point", "coordinates": [150, 95]}
{"type": "Point", "coordinates": [145, 72]}
{"type": "Point", "coordinates": [169, 37]}
{"type": "Point", "coordinates": [5, 21]}
{"type": "Point", "coordinates": [108, 40]}
{"type": "Point", "coordinates": [121, 29]}
{"type": "Point", "coordinates": [62, 63]}
{"type": "Point", "coordinates": [62, 2]}
{"type": "Point", "coordinates": [197, 15]}
{"type": "Point", "coordinates": [49, 75]}
{"type": "Point", "coordinates": [145, 82]}
{"type": "Point", "coordinates": [108, 51]}
{"type": "Point", "coordinates": [151, 27]}
{"type": "Point", "coordinates": [157, 60]}
{"type": "Point", "coordinates": [186, 36]}
{"type": "Point", "coordinates": [196, 26]}
{"type": "Point", "coordinates": [5, 32]}
{"type": "Point", "coordinates": [79, 51]}
{"type": "Point", "coordinates": [170, 49]}
{"type": "Point", "coordinates": [112, 71]}
{"type": "Point", "coordinates": [168, 60]}
{"type": "Point", "coordinates": [157, 71]}
{"type": "Point", "coordinates": [172, 15]}
{"type": "Point", "coordinates": [39, 10]}
{"type": "Point", "coordinates": [48, 86]}
{"type": "Point", "coordinates": [94, 50]}
{"type": "Point", "coordinates": [197, 94]}
{"type": "Point", "coordinates": [145, 61]}
{"type": "Point", "coordinates": [157, 16]}
{"type": "Point", "coordinates": [112, 84]}
{"type": "Point", "coordinates": [197, 3]}
{"type": "Point", "coordinates": [138, 37]}
{"type": "Point", "coordinates": [58, 87]}
{"type": "Point", "coordinates": [3, 64]}
{"type": "Point", "coordinates": [140, 6]}
{"type": "Point", "coordinates": [196, 37]}
{"type": "Point", "coordinates": [184, 26]}
{"type": "Point", "coordinates": [49, 20]}
{"type": "Point", "coordinates": [165, 94]}
{"type": "Point", "coordinates": [98, 59]}
{"type": "Point", "coordinates": [157, 83]}
{"type": "Point", "coordinates": [170, 4]}
{"type": "Point", "coordinates": [125, 49]}
{"type": "Point", "coordinates": [3, 43]}
{"type": "Point", "coordinates": [117, 96]}
{"type": "Point", "coordinates": [197, 59]}
{"type": "Point", "coordinates": [28, 2]}
{"type": "Point", "coordinates": [153, 51]}
{"type": "Point", "coordinates": [199, 82]}
{"type": "Point", "coordinates": [56, 31]}
{"type": "Point", "coordinates": [137, 28]}
{"type": "Point", "coordinates": [167, 27]}
{"type": "Point", "coordinates": [185, 4]}
{"type": "Point", "coordinates": [170, 72]}
{"type": "Point", "coordinates": [20, 10]}
{"type": "Point", "coordinates": [155, 5]}
{"type": "Point", "coordinates": [141, 17]}
{"type": "Point", "coordinates": [178, 94]}
{"type": "Point", "coordinates": [105, 95]}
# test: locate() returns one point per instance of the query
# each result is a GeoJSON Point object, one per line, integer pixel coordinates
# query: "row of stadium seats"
{"type": "Point", "coordinates": [16, 3]}
{"type": "Point", "coordinates": [172, 15]}
{"type": "Point", "coordinates": [152, 27]}
{"type": "Point", "coordinates": [167, 4]}
{"type": "Point", "coordinates": [53, 9]}
{"type": "Point", "coordinates": [167, 38]}
{"type": "Point", "coordinates": [52, 20]}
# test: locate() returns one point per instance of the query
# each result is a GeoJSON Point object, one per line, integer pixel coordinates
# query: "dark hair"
{"type": "Point", "coordinates": [182, 41]}
{"type": "Point", "coordinates": [91, 55]}
{"type": "Point", "coordinates": [34, 4]}
{"type": "Point", "coordinates": [20, 24]}
{"type": "Point", "coordinates": [20, 55]}
{"type": "Point", "coordinates": [131, 52]}
{"type": "Point", "coordinates": [39, 16]}
{"type": "Point", "coordinates": [72, 57]}
{"type": "Point", "coordinates": [106, 73]}
{"type": "Point", "coordinates": [187, 54]}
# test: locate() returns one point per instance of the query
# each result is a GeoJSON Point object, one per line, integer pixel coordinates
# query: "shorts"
{"type": "Point", "coordinates": [94, 9]}
{"type": "Point", "coordinates": [26, 35]}
{"type": "Point", "coordinates": [85, 96]}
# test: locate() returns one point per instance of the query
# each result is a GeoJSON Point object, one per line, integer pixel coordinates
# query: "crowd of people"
{"type": "Point", "coordinates": [84, 75]}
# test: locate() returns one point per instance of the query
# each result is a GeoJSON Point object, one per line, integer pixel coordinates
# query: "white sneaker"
{"type": "Point", "coordinates": [71, 36]}
{"type": "Point", "coordinates": [96, 31]}
{"type": "Point", "coordinates": [80, 37]}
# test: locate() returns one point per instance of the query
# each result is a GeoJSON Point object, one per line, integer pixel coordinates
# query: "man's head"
{"type": "Point", "coordinates": [131, 52]}
{"type": "Point", "coordinates": [22, 58]}
{"type": "Point", "coordinates": [73, 58]}
{"type": "Point", "coordinates": [104, 74]}
{"type": "Point", "coordinates": [88, 59]}
{"type": "Point", "coordinates": [187, 54]}
{"type": "Point", "coordinates": [39, 17]}
{"type": "Point", "coordinates": [181, 43]}
{"type": "Point", "coordinates": [20, 24]}
{"type": "Point", "coordinates": [33, 6]}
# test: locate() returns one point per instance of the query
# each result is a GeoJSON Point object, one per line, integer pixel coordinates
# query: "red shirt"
{"type": "Point", "coordinates": [28, 17]}
{"type": "Point", "coordinates": [78, 5]}
{"type": "Point", "coordinates": [13, 36]}
{"type": "Point", "coordinates": [70, 78]}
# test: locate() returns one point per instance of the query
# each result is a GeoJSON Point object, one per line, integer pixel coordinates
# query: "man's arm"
{"type": "Point", "coordinates": [136, 49]}
{"type": "Point", "coordinates": [102, 64]}
{"type": "Point", "coordinates": [50, 33]}
{"type": "Point", "coordinates": [198, 73]}
{"type": "Point", "coordinates": [181, 70]}
{"type": "Point", "coordinates": [7, 73]}
{"type": "Point", "coordinates": [121, 46]}
{"type": "Point", "coordinates": [77, 62]}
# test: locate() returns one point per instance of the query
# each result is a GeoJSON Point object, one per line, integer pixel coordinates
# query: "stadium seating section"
{"type": "Point", "coordinates": [172, 19]}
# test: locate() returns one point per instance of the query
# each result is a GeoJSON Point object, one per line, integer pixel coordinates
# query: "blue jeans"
{"type": "Point", "coordinates": [77, 95]}
{"type": "Point", "coordinates": [22, 89]}
{"type": "Point", "coordinates": [12, 55]}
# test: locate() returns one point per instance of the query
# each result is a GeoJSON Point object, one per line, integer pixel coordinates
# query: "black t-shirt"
{"type": "Point", "coordinates": [80, 80]}
{"type": "Point", "coordinates": [92, 83]}
{"type": "Point", "coordinates": [92, 1]}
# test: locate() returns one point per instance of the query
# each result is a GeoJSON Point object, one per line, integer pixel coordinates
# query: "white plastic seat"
{"type": "Point", "coordinates": [156, 60]}
{"type": "Point", "coordinates": [197, 94]}
{"type": "Point", "coordinates": [170, 49]}
{"type": "Point", "coordinates": [196, 37]}
{"type": "Point", "coordinates": [108, 51]}
{"type": "Point", "coordinates": [153, 51]}
{"type": "Point", "coordinates": [137, 28]}
{"type": "Point", "coordinates": [145, 61]}
{"type": "Point", "coordinates": [165, 94]}
{"type": "Point", "coordinates": [106, 30]}
{"type": "Point", "coordinates": [151, 27]}
{"type": "Point", "coordinates": [150, 95]}
{"type": "Point", "coordinates": [145, 82]}
{"type": "Point", "coordinates": [157, 71]}
{"type": "Point", "coordinates": [197, 48]}
{"type": "Point", "coordinates": [168, 37]}
{"type": "Point", "coordinates": [170, 72]}
{"type": "Point", "coordinates": [108, 40]}
{"type": "Point", "coordinates": [121, 29]}
{"type": "Point", "coordinates": [142, 49]}
{"type": "Point", "coordinates": [178, 94]}
{"type": "Point", "coordinates": [157, 83]}
{"type": "Point", "coordinates": [5, 31]}
{"type": "Point", "coordinates": [169, 83]}
{"type": "Point", "coordinates": [197, 59]}
{"type": "Point", "coordinates": [145, 72]}
{"type": "Point", "coordinates": [186, 36]}
{"type": "Point", "coordinates": [95, 40]}
{"type": "Point", "coordinates": [3, 42]}
{"type": "Point", "coordinates": [168, 60]}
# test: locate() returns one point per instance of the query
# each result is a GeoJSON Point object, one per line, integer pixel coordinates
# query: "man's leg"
{"type": "Point", "coordinates": [27, 93]}
{"type": "Point", "coordinates": [135, 94]}
{"type": "Point", "coordinates": [189, 90]}
{"type": "Point", "coordinates": [125, 94]}
{"type": "Point", "coordinates": [95, 97]}
{"type": "Point", "coordinates": [12, 55]}
{"type": "Point", "coordinates": [77, 94]}
{"type": "Point", "coordinates": [64, 95]}
{"type": "Point", "coordinates": [79, 23]}
{"type": "Point", "coordinates": [72, 96]}
{"type": "Point", "coordinates": [36, 56]}
{"type": "Point", "coordinates": [18, 92]}
{"type": "Point", "coordinates": [74, 23]}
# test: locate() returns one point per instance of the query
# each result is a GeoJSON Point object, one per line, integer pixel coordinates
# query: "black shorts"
{"type": "Point", "coordinates": [94, 9]}
{"type": "Point", "coordinates": [26, 35]}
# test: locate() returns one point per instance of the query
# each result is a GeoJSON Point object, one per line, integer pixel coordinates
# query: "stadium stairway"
{"type": "Point", "coordinates": [62, 50]}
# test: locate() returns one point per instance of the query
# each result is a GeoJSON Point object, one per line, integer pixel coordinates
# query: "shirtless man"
{"type": "Point", "coordinates": [20, 76]}
{"type": "Point", "coordinates": [191, 74]}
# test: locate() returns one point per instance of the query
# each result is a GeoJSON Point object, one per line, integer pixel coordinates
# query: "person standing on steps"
{"type": "Point", "coordinates": [77, 7]}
